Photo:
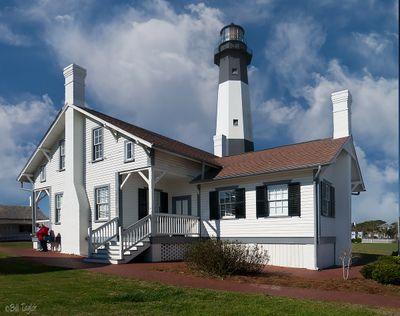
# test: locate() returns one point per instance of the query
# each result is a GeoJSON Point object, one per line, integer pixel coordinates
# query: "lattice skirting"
{"type": "Point", "coordinates": [173, 252]}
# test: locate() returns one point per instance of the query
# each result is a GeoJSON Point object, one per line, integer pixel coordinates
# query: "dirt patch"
{"type": "Point", "coordinates": [327, 280]}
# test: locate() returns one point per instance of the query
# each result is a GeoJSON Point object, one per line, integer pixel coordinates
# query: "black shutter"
{"type": "Point", "coordinates": [261, 201]}
{"type": "Point", "coordinates": [294, 199]}
{"type": "Point", "coordinates": [332, 210]}
{"type": "Point", "coordinates": [164, 202]}
{"type": "Point", "coordinates": [214, 212]}
{"type": "Point", "coordinates": [142, 198]}
{"type": "Point", "coordinates": [322, 197]}
{"type": "Point", "coordinates": [240, 207]}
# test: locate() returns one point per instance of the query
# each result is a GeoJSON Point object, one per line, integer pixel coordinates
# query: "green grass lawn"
{"type": "Point", "coordinates": [16, 244]}
{"type": "Point", "coordinates": [375, 249]}
{"type": "Point", "coordinates": [51, 290]}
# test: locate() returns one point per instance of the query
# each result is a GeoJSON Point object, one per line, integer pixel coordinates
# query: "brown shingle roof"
{"type": "Point", "coordinates": [19, 212]}
{"type": "Point", "coordinates": [296, 156]}
{"type": "Point", "coordinates": [289, 157]}
{"type": "Point", "coordinates": [159, 141]}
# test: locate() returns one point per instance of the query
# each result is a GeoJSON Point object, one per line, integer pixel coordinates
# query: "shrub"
{"type": "Point", "coordinates": [385, 270]}
{"type": "Point", "coordinates": [367, 270]}
{"type": "Point", "coordinates": [387, 273]}
{"type": "Point", "coordinates": [356, 240]}
{"type": "Point", "coordinates": [224, 258]}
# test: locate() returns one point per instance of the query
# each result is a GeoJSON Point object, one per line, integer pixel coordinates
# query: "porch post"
{"type": "Point", "coordinates": [33, 205]}
{"type": "Point", "coordinates": [151, 198]}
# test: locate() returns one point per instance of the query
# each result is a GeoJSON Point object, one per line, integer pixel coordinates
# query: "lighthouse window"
{"type": "Point", "coordinates": [235, 71]}
{"type": "Point", "coordinates": [235, 122]}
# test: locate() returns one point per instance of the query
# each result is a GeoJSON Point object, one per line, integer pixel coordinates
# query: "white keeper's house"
{"type": "Point", "coordinates": [119, 192]}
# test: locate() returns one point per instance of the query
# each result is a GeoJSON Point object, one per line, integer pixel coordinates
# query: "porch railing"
{"type": "Point", "coordinates": [171, 224]}
{"type": "Point", "coordinates": [101, 235]}
{"type": "Point", "coordinates": [135, 233]}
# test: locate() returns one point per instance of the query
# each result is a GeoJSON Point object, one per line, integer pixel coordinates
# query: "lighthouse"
{"type": "Point", "coordinates": [234, 132]}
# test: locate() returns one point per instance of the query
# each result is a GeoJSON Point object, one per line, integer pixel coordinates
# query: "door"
{"type": "Point", "coordinates": [142, 198]}
{"type": "Point", "coordinates": [181, 205]}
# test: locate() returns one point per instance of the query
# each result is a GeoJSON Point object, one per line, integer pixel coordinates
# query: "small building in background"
{"type": "Point", "coordinates": [16, 222]}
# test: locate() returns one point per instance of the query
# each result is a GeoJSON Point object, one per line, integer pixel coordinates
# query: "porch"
{"type": "Point", "coordinates": [114, 244]}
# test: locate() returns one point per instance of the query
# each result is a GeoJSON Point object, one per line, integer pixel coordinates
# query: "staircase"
{"type": "Point", "coordinates": [110, 243]}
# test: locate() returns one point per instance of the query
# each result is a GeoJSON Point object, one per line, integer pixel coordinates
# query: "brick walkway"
{"type": "Point", "coordinates": [148, 272]}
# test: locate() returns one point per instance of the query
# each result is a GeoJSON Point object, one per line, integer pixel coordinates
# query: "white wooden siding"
{"type": "Point", "coordinates": [104, 172]}
{"type": "Point", "coordinates": [54, 181]}
{"type": "Point", "coordinates": [339, 174]}
{"type": "Point", "coordinates": [251, 226]}
{"type": "Point", "coordinates": [176, 165]}
{"type": "Point", "coordinates": [294, 256]}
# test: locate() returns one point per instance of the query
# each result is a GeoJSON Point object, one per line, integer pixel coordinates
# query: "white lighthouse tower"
{"type": "Point", "coordinates": [234, 133]}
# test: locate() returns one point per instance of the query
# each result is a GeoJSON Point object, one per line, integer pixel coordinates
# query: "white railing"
{"type": "Point", "coordinates": [135, 233]}
{"type": "Point", "coordinates": [171, 224]}
{"type": "Point", "coordinates": [103, 234]}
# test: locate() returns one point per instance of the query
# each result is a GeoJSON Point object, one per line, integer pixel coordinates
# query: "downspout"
{"type": "Point", "coordinates": [316, 217]}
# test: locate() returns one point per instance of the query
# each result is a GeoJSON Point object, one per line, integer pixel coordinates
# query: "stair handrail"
{"type": "Point", "coordinates": [135, 233]}
{"type": "Point", "coordinates": [101, 235]}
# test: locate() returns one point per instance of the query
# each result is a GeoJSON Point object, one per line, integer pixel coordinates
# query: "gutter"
{"type": "Point", "coordinates": [316, 216]}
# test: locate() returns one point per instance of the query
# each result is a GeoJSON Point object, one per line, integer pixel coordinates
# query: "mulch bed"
{"type": "Point", "coordinates": [327, 280]}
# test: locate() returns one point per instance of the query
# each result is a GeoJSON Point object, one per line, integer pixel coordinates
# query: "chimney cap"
{"type": "Point", "coordinates": [341, 96]}
{"type": "Point", "coordinates": [74, 69]}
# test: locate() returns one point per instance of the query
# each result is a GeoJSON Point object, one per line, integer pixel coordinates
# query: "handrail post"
{"type": "Point", "coordinates": [89, 241]}
{"type": "Point", "coordinates": [120, 242]}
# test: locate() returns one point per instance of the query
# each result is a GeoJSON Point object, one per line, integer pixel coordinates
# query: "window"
{"type": "Point", "coordinates": [235, 122]}
{"type": "Point", "coordinates": [102, 203]}
{"type": "Point", "coordinates": [235, 71]}
{"type": "Point", "coordinates": [98, 144]}
{"type": "Point", "coordinates": [229, 203]}
{"type": "Point", "coordinates": [278, 200]}
{"type": "Point", "coordinates": [42, 173]}
{"type": "Point", "coordinates": [281, 199]}
{"type": "Point", "coordinates": [62, 154]}
{"type": "Point", "coordinates": [58, 205]}
{"type": "Point", "coordinates": [327, 197]}
{"type": "Point", "coordinates": [129, 151]}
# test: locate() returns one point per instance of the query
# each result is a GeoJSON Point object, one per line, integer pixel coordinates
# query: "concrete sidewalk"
{"type": "Point", "coordinates": [148, 272]}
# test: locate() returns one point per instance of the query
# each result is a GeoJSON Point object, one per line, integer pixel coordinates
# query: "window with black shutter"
{"type": "Point", "coordinates": [229, 203]}
{"type": "Point", "coordinates": [280, 199]}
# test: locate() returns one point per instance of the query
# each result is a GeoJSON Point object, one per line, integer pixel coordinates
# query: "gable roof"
{"type": "Point", "coordinates": [290, 157]}
{"type": "Point", "coordinates": [19, 212]}
{"type": "Point", "coordinates": [157, 140]}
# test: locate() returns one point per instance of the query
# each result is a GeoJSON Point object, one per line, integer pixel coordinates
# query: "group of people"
{"type": "Point", "coordinates": [44, 235]}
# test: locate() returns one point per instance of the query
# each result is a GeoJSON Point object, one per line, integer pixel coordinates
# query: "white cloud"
{"type": "Point", "coordinates": [293, 51]}
{"type": "Point", "coordinates": [19, 124]}
{"type": "Point", "coordinates": [7, 36]}
{"type": "Point", "coordinates": [374, 110]}
{"type": "Point", "coordinates": [372, 41]}
{"type": "Point", "coordinates": [154, 70]}
{"type": "Point", "coordinates": [380, 200]}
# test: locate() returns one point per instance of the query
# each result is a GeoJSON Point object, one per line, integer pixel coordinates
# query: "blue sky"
{"type": "Point", "coordinates": [148, 60]}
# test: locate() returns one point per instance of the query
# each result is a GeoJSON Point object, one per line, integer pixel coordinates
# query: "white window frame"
{"type": "Point", "coordinates": [98, 144]}
{"type": "Point", "coordinates": [62, 155]}
{"type": "Point", "coordinates": [227, 203]}
{"type": "Point", "coordinates": [102, 203]}
{"type": "Point", "coordinates": [132, 151]}
{"type": "Point", "coordinates": [278, 199]}
{"type": "Point", "coordinates": [42, 173]}
{"type": "Point", "coordinates": [57, 207]}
